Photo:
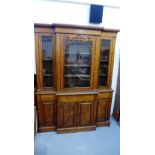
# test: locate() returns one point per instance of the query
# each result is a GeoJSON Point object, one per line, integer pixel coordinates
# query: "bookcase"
{"type": "Point", "coordinates": [74, 66]}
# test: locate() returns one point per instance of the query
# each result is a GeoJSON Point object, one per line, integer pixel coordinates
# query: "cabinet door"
{"type": "Point", "coordinates": [85, 114]}
{"type": "Point", "coordinates": [47, 114]}
{"type": "Point", "coordinates": [104, 58]}
{"type": "Point", "coordinates": [45, 61]}
{"type": "Point", "coordinates": [103, 110]}
{"type": "Point", "coordinates": [67, 115]}
{"type": "Point", "coordinates": [104, 61]}
{"type": "Point", "coordinates": [77, 59]}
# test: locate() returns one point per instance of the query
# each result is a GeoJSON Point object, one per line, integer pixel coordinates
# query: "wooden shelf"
{"type": "Point", "coordinates": [103, 66]}
{"type": "Point", "coordinates": [104, 60]}
{"type": "Point", "coordinates": [76, 93]}
{"type": "Point", "coordinates": [103, 75]}
{"type": "Point", "coordinates": [47, 59]}
{"type": "Point", "coordinates": [47, 75]}
{"type": "Point", "coordinates": [76, 75]}
{"type": "Point", "coordinates": [76, 65]}
{"type": "Point", "coordinates": [76, 43]}
{"type": "Point", "coordinates": [76, 53]}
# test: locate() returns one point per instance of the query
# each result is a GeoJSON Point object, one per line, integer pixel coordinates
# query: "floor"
{"type": "Point", "coordinates": [103, 141]}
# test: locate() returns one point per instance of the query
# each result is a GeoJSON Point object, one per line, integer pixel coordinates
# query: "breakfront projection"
{"type": "Point", "coordinates": [74, 66]}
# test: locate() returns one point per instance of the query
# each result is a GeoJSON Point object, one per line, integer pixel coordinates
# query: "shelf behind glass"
{"type": "Point", "coordinates": [77, 82]}
{"type": "Point", "coordinates": [47, 75]}
{"type": "Point", "coordinates": [76, 65]}
{"type": "Point", "coordinates": [47, 80]}
{"type": "Point", "coordinates": [47, 59]}
{"type": "Point", "coordinates": [77, 70]}
{"type": "Point", "coordinates": [103, 75]}
{"type": "Point", "coordinates": [77, 62]}
{"type": "Point", "coordinates": [76, 53]}
{"type": "Point", "coordinates": [102, 60]}
{"type": "Point", "coordinates": [76, 75]}
{"type": "Point", "coordinates": [103, 66]}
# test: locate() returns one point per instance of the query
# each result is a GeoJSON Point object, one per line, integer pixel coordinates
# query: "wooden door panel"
{"type": "Point", "coordinates": [46, 114]}
{"type": "Point", "coordinates": [49, 110]}
{"type": "Point", "coordinates": [85, 114]}
{"type": "Point", "coordinates": [69, 113]}
{"type": "Point", "coordinates": [103, 111]}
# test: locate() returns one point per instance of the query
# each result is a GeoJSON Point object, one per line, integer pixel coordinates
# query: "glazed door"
{"type": "Point", "coordinates": [104, 61]}
{"type": "Point", "coordinates": [77, 55]}
{"type": "Point", "coordinates": [104, 66]}
{"type": "Point", "coordinates": [45, 61]}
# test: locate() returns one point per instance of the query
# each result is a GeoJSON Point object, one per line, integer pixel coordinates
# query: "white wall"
{"type": "Point", "coordinates": [72, 13]}
{"type": "Point", "coordinates": [77, 12]}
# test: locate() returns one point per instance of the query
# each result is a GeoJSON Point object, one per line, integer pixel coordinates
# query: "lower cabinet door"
{"type": "Point", "coordinates": [103, 110]}
{"type": "Point", "coordinates": [85, 114]}
{"type": "Point", "coordinates": [67, 115]}
{"type": "Point", "coordinates": [71, 115]}
{"type": "Point", "coordinates": [47, 116]}
{"type": "Point", "coordinates": [75, 113]}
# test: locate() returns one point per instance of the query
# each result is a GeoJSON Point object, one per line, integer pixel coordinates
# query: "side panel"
{"type": "Point", "coordinates": [37, 55]}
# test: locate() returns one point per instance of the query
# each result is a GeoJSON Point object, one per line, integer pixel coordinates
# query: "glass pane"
{"type": "Point", "coordinates": [104, 60]}
{"type": "Point", "coordinates": [47, 52]}
{"type": "Point", "coordinates": [77, 63]}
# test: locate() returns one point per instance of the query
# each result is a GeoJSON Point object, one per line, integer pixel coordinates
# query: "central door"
{"type": "Point", "coordinates": [77, 55]}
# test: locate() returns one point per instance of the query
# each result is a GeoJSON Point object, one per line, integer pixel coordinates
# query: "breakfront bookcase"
{"type": "Point", "coordinates": [74, 67]}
